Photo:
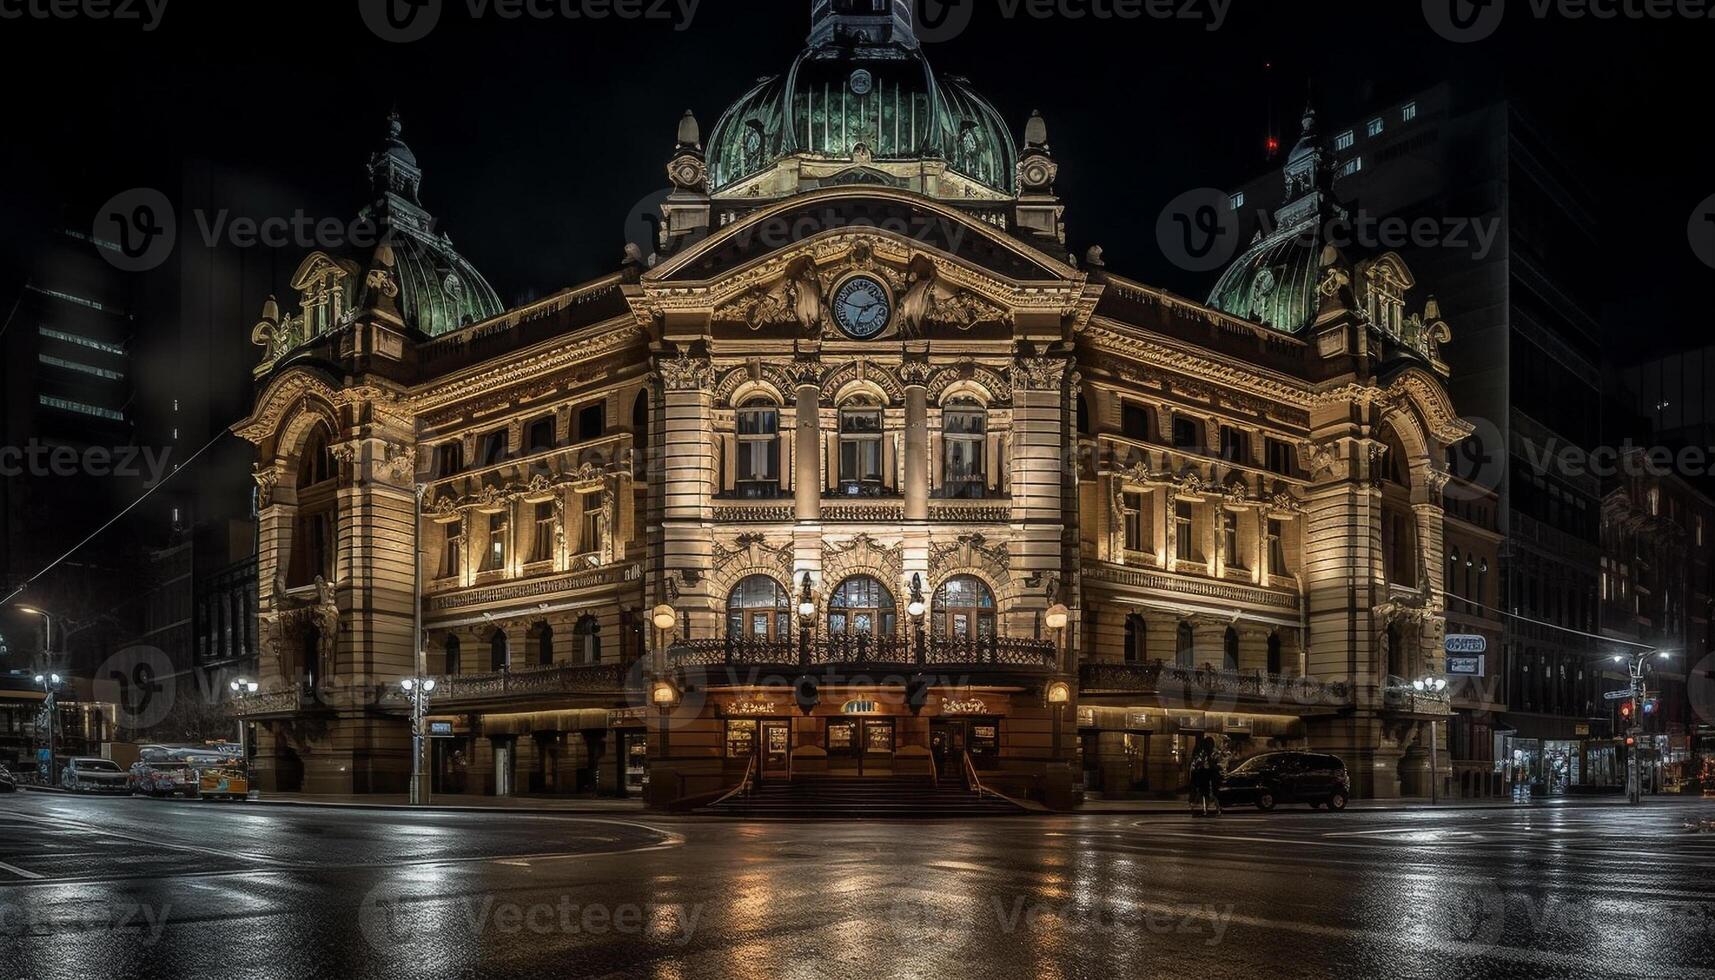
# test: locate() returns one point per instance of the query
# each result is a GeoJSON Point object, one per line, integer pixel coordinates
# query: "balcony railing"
{"type": "Point", "coordinates": [522, 682]}
{"type": "Point", "coordinates": [1200, 683]}
{"type": "Point", "coordinates": [1408, 700]}
{"type": "Point", "coordinates": [869, 651]}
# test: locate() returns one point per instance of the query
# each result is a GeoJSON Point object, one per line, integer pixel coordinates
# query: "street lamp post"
{"type": "Point", "coordinates": [242, 689]}
{"type": "Point", "coordinates": [47, 627]}
{"type": "Point", "coordinates": [665, 619]}
{"type": "Point", "coordinates": [1425, 685]}
{"type": "Point", "coordinates": [51, 683]}
{"type": "Point", "coordinates": [806, 616]}
{"type": "Point", "coordinates": [1059, 694]}
{"type": "Point", "coordinates": [915, 608]}
{"type": "Point", "coordinates": [418, 690]}
{"type": "Point", "coordinates": [1635, 670]}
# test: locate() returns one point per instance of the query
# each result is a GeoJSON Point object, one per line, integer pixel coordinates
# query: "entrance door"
{"type": "Point", "coordinates": [776, 749]}
{"type": "Point", "coordinates": [877, 746]}
{"type": "Point", "coordinates": [844, 755]}
{"type": "Point", "coordinates": [635, 758]}
{"type": "Point", "coordinates": [503, 756]}
{"type": "Point", "coordinates": [947, 742]}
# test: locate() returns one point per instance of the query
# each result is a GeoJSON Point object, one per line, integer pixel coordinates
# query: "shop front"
{"type": "Point", "coordinates": [1147, 751]}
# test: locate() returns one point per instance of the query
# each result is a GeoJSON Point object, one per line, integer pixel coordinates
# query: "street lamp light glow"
{"type": "Point", "coordinates": [1059, 692]}
{"type": "Point", "coordinates": [1056, 617]}
{"type": "Point", "coordinates": [409, 684]}
{"type": "Point", "coordinates": [54, 677]}
{"type": "Point", "coordinates": [914, 608]}
{"type": "Point", "coordinates": [664, 694]}
{"type": "Point", "coordinates": [428, 684]}
{"type": "Point", "coordinates": [664, 617]}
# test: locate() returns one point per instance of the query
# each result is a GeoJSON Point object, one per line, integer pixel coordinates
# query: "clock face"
{"type": "Point", "coordinates": [862, 308]}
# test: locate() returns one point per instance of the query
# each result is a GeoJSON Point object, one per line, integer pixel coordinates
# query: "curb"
{"type": "Point", "coordinates": [454, 808]}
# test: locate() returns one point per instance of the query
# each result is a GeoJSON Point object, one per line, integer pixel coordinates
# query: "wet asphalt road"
{"type": "Point", "coordinates": [140, 888]}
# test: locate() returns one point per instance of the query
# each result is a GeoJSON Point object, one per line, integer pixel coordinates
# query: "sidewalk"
{"type": "Point", "coordinates": [452, 802]}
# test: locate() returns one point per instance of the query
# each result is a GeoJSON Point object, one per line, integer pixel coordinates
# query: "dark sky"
{"type": "Point", "coordinates": [538, 136]}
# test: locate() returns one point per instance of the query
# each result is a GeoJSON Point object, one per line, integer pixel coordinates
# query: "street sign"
{"type": "Point", "coordinates": [1465, 643]}
{"type": "Point", "coordinates": [1465, 665]}
{"type": "Point", "coordinates": [1616, 695]}
{"type": "Point", "coordinates": [440, 729]}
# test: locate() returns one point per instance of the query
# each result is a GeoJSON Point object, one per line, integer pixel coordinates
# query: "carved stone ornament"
{"type": "Point", "coordinates": [267, 478]}
{"type": "Point", "coordinates": [686, 373]}
{"type": "Point", "coordinates": [1038, 373]}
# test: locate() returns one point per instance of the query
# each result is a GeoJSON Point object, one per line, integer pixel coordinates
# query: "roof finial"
{"type": "Point", "coordinates": [690, 133]}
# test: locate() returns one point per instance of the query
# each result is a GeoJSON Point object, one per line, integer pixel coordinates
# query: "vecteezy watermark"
{"type": "Point", "coordinates": [1483, 913]}
{"type": "Point", "coordinates": [137, 228]}
{"type": "Point", "coordinates": [1553, 457]}
{"type": "Point", "coordinates": [389, 918]}
{"type": "Point", "coordinates": [943, 20]}
{"type": "Point", "coordinates": [916, 920]}
{"type": "Point", "coordinates": [147, 13]}
{"type": "Point", "coordinates": [144, 923]}
{"type": "Point", "coordinates": [125, 462]}
{"type": "Point", "coordinates": [1465, 21]}
{"type": "Point", "coordinates": [1701, 231]}
{"type": "Point", "coordinates": [404, 21]}
{"type": "Point", "coordinates": [139, 681]}
{"type": "Point", "coordinates": [643, 223]}
{"type": "Point", "coordinates": [1199, 231]}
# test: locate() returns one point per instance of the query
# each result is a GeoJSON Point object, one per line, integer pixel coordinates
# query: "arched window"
{"type": "Point", "coordinates": [862, 606]}
{"type": "Point", "coordinates": [1230, 650]}
{"type": "Point", "coordinates": [499, 653]}
{"type": "Point", "coordinates": [758, 610]}
{"type": "Point", "coordinates": [860, 463]}
{"type": "Point", "coordinates": [964, 608]}
{"type": "Point", "coordinates": [1136, 639]}
{"type": "Point", "coordinates": [314, 531]}
{"type": "Point", "coordinates": [451, 648]}
{"type": "Point", "coordinates": [1274, 653]}
{"type": "Point", "coordinates": [757, 468]}
{"type": "Point", "coordinates": [1396, 654]}
{"type": "Point", "coordinates": [1086, 422]}
{"type": "Point", "coordinates": [1184, 647]}
{"type": "Point", "coordinates": [588, 632]}
{"type": "Point", "coordinates": [542, 640]}
{"type": "Point", "coordinates": [964, 467]}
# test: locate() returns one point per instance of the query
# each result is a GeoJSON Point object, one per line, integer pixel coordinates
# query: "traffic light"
{"type": "Point", "coordinates": [1626, 710]}
{"type": "Point", "coordinates": [1631, 741]}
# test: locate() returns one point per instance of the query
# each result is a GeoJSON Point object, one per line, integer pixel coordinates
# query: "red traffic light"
{"type": "Point", "coordinates": [1625, 709]}
{"type": "Point", "coordinates": [1631, 741]}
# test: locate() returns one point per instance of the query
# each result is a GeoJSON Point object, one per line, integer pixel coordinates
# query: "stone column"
{"type": "Point", "coordinates": [916, 378]}
{"type": "Point", "coordinates": [807, 480]}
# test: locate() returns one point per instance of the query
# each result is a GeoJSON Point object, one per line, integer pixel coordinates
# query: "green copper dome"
{"type": "Point", "coordinates": [439, 289]}
{"type": "Point", "coordinates": [1275, 281]}
{"type": "Point", "coordinates": [862, 89]}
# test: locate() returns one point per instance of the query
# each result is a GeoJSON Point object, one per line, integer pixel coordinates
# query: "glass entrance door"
{"type": "Point", "coordinates": [877, 746]}
{"type": "Point", "coordinates": [947, 743]}
{"type": "Point", "coordinates": [776, 749]}
{"type": "Point", "coordinates": [844, 757]}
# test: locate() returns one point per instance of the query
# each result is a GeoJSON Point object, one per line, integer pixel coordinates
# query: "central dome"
{"type": "Point", "coordinates": [862, 94]}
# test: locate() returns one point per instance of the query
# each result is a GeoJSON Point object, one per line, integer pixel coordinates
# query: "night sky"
{"type": "Point", "coordinates": [538, 136]}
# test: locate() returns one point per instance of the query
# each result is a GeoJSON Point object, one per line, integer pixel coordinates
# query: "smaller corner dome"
{"type": "Point", "coordinates": [440, 290]}
{"type": "Point", "coordinates": [980, 143]}
{"type": "Point", "coordinates": [1274, 282]}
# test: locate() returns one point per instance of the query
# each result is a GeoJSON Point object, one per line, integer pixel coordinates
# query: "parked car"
{"type": "Point", "coordinates": [8, 782]}
{"type": "Point", "coordinates": [89, 775]}
{"type": "Point", "coordinates": [1272, 778]}
{"type": "Point", "coordinates": [164, 778]}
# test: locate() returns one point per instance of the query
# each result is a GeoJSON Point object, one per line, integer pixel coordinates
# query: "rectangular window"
{"type": "Point", "coordinates": [495, 448]}
{"type": "Point", "coordinates": [963, 431]}
{"type": "Point", "coordinates": [1282, 457]}
{"type": "Point", "coordinates": [1345, 140]}
{"type": "Point", "coordinates": [860, 448]}
{"type": "Point", "coordinates": [1238, 200]}
{"type": "Point", "coordinates": [1230, 540]}
{"type": "Point", "coordinates": [79, 367]}
{"type": "Point", "coordinates": [1374, 128]}
{"type": "Point", "coordinates": [1235, 448]}
{"type": "Point", "coordinates": [449, 458]}
{"type": "Point", "coordinates": [495, 559]}
{"type": "Point", "coordinates": [740, 737]}
{"type": "Point", "coordinates": [592, 421]}
{"type": "Point", "coordinates": [450, 549]}
{"type": "Point", "coordinates": [758, 465]}
{"type": "Point", "coordinates": [81, 408]}
{"type": "Point", "coordinates": [539, 437]}
{"type": "Point", "coordinates": [1184, 524]}
{"type": "Point", "coordinates": [1134, 423]}
{"type": "Point", "coordinates": [1276, 550]}
{"type": "Point", "coordinates": [1187, 433]}
{"type": "Point", "coordinates": [589, 541]}
{"type": "Point", "coordinates": [1352, 166]}
{"type": "Point", "coordinates": [1408, 113]}
{"type": "Point", "coordinates": [542, 542]}
{"type": "Point", "coordinates": [1132, 503]}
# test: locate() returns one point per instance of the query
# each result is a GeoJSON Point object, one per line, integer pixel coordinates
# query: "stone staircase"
{"type": "Point", "coordinates": [860, 798]}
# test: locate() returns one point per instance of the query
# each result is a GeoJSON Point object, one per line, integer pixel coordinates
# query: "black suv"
{"type": "Point", "coordinates": [1273, 778]}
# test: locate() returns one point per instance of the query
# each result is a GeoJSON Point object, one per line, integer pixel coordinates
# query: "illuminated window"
{"type": "Point", "coordinates": [82, 368]}
{"type": "Point", "coordinates": [1345, 140]}
{"type": "Point", "coordinates": [1352, 166]}
{"type": "Point", "coordinates": [1408, 113]}
{"type": "Point", "coordinates": [67, 405]}
{"type": "Point", "coordinates": [1238, 200]}
{"type": "Point", "coordinates": [758, 464]}
{"type": "Point", "coordinates": [964, 427]}
{"type": "Point", "coordinates": [1374, 128]}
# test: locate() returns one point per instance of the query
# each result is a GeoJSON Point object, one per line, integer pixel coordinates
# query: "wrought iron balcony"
{"type": "Point", "coordinates": [862, 650]}
{"type": "Point", "coordinates": [1405, 699]}
{"type": "Point", "coordinates": [1198, 684]}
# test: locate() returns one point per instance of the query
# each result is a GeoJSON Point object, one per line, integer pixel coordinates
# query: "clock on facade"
{"type": "Point", "coordinates": [862, 307]}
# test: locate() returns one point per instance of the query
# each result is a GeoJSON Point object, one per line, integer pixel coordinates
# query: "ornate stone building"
{"type": "Point", "coordinates": [859, 473]}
